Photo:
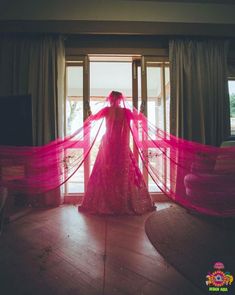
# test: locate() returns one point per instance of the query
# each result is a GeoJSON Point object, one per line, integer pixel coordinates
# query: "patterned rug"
{"type": "Point", "coordinates": [193, 244]}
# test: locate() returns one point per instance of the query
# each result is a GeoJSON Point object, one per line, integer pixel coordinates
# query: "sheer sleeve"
{"type": "Point", "coordinates": [135, 115]}
{"type": "Point", "coordinates": [101, 114]}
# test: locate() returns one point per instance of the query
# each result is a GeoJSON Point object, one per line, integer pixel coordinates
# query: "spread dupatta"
{"type": "Point", "coordinates": [196, 176]}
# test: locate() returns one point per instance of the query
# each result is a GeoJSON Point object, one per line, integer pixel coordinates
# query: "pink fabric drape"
{"type": "Point", "coordinates": [36, 170]}
{"type": "Point", "coordinates": [198, 177]}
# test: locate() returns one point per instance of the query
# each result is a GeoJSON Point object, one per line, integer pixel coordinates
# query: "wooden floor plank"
{"type": "Point", "coordinates": [61, 251]}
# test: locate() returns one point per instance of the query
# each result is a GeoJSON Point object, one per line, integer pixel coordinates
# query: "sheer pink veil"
{"type": "Point", "coordinates": [38, 169]}
{"type": "Point", "coordinates": [196, 176]}
{"type": "Point", "coordinates": [115, 98]}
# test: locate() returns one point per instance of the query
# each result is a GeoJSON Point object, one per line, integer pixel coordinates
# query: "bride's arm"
{"type": "Point", "coordinates": [132, 115]}
{"type": "Point", "coordinates": [99, 115]}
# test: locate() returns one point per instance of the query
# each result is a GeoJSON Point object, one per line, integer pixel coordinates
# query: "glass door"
{"type": "Point", "coordinates": [89, 80]}
{"type": "Point", "coordinates": [143, 80]}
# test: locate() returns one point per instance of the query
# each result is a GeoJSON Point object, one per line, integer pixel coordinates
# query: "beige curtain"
{"type": "Point", "coordinates": [199, 109]}
{"type": "Point", "coordinates": [35, 65]}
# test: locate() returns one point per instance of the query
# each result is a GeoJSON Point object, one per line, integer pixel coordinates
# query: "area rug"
{"type": "Point", "coordinates": [194, 244]}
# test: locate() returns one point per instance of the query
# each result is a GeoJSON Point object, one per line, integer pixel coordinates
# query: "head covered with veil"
{"type": "Point", "coordinates": [115, 98]}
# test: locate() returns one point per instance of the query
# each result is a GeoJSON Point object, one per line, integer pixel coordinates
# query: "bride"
{"type": "Point", "coordinates": [116, 185]}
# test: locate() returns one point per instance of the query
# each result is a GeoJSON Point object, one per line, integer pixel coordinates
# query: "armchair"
{"type": "Point", "coordinates": [208, 187]}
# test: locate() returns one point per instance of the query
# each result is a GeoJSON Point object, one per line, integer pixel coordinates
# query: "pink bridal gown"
{"type": "Point", "coordinates": [116, 185]}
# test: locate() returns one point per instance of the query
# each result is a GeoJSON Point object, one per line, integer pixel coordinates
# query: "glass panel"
{"type": "Point", "coordinates": [74, 120]}
{"type": "Point", "coordinates": [105, 77]}
{"type": "Point", "coordinates": [74, 99]}
{"type": "Point", "coordinates": [167, 93]}
{"type": "Point", "coordinates": [139, 86]}
{"type": "Point", "coordinates": [108, 76]}
{"type": "Point", "coordinates": [155, 106]}
{"type": "Point", "coordinates": [158, 107]}
{"type": "Point", "coordinates": [75, 184]}
{"type": "Point", "coordinates": [231, 85]}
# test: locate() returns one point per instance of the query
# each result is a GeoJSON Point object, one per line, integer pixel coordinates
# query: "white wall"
{"type": "Point", "coordinates": [117, 10]}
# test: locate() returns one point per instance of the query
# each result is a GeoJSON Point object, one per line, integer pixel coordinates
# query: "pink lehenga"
{"type": "Point", "coordinates": [116, 185]}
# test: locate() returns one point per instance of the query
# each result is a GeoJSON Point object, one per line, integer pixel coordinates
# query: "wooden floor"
{"type": "Point", "coordinates": [61, 251]}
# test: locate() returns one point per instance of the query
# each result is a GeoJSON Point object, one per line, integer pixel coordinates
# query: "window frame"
{"type": "Point", "coordinates": [141, 61]}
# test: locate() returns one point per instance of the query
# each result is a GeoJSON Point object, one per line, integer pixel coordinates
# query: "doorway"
{"type": "Point", "coordinates": [89, 79]}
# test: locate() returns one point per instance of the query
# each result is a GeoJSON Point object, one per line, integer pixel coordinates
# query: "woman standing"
{"type": "Point", "coordinates": [116, 185]}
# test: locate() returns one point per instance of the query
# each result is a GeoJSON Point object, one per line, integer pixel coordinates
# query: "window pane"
{"type": "Point", "coordinates": [231, 85]}
{"type": "Point", "coordinates": [105, 77]}
{"type": "Point", "coordinates": [108, 76]}
{"type": "Point", "coordinates": [74, 120]}
{"type": "Point", "coordinates": [167, 93]}
{"type": "Point", "coordinates": [158, 91]}
{"type": "Point", "coordinates": [74, 99]}
{"type": "Point", "coordinates": [155, 97]}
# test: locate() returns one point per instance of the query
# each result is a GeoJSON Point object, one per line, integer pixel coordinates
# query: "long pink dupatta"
{"type": "Point", "coordinates": [197, 176]}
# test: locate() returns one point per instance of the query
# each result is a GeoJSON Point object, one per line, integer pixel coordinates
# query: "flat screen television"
{"type": "Point", "coordinates": [16, 120]}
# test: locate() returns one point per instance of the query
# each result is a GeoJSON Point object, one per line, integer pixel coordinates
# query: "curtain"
{"type": "Point", "coordinates": [199, 109]}
{"type": "Point", "coordinates": [34, 65]}
{"type": "Point", "coordinates": [231, 69]}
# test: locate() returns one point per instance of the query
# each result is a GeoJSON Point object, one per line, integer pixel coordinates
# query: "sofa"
{"type": "Point", "coordinates": [208, 186]}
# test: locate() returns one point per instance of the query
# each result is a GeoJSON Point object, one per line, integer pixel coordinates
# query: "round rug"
{"type": "Point", "coordinates": [193, 244]}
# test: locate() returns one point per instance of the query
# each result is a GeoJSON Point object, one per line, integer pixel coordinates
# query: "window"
{"type": "Point", "coordinates": [231, 87]}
